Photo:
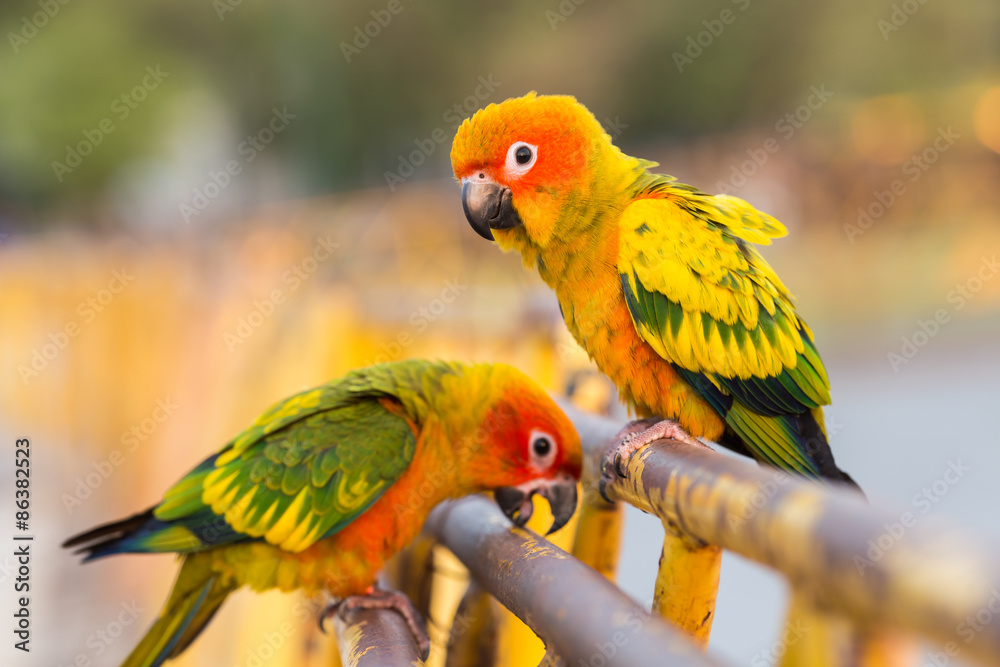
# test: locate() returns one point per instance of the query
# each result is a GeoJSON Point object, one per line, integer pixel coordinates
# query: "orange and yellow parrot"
{"type": "Point", "coordinates": [325, 486]}
{"type": "Point", "coordinates": [658, 281]}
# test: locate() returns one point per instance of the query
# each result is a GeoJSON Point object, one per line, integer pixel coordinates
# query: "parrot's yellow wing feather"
{"type": "Point", "coordinates": [707, 302]}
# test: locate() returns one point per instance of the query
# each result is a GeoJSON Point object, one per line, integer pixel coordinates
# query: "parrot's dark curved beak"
{"type": "Point", "coordinates": [488, 206]}
{"type": "Point", "coordinates": [562, 501]}
{"type": "Point", "coordinates": [515, 501]}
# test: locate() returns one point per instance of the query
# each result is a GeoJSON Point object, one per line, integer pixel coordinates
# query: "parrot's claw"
{"type": "Point", "coordinates": [378, 599]}
{"type": "Point", "coordinates": [618, 464]}
{"type": "Point", "coordinates": [328, 612]}
{"type": "Point", "coordinates": [633, 436]}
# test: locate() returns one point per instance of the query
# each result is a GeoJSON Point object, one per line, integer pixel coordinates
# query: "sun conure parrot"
{"type": "Point", "coordinates": [327, 485]}
{"type": "Point", "coordinates": [658, 281]}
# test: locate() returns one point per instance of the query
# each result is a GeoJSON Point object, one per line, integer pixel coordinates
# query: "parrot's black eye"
{"type": "Point", "coordinates": [541, 446]}
{"type": "Point", "coordinates": [521, 158]}
{"type": "Point", "coordinates": [541, 450]}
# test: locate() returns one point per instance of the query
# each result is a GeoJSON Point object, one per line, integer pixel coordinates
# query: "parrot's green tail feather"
{"type": "Point", "coordinates": [197, 595]}
{"type": "Point", "coordinates": [795, 442]}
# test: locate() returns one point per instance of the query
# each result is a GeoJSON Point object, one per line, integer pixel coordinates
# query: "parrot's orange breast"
{"type": "Point", "coordinates": [590, 294]}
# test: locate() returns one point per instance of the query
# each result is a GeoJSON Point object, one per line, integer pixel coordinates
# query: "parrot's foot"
{"type": "Point", "coordinates": [378, 599]}
{"type": "Point", "coordinates": [635, 435]}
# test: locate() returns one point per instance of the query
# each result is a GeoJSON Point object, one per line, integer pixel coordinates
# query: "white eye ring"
{"type": "Point", "coordinates": [542, 449]}
{"type": "Point", "coordinates": [515, 168]}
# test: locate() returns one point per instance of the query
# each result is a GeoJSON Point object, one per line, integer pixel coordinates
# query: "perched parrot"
{"type": "Point", "coordinates": [658, 281]}
{"type": "Point", "coordinates": [327, 485]}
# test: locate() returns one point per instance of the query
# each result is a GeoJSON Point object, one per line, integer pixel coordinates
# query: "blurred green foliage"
{"type": "Point", "coordinates": [360, 105]}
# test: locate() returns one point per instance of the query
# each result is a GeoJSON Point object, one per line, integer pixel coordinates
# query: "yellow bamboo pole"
{"type": "Point", "coordinates": [687, 584]}
{"type": "Point", "coordinates": [884, 648]}
{"type": "Point", "coordinates": [812, 637]}
{"type": "Point", "coordinates": [550, 659]}
{"type": "Point", "coordinates": [687, 581]}
{"type": "Point", "coordinates": [411, 572]}
{"type": "Point", "coordinates": [599, 534]}
{"type": "Point", "coordinates": [473, 638]}
{"type": "Point", "coordinates": [517, 644]}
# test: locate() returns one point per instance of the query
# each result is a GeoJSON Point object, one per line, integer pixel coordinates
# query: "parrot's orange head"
{"type": "Point", "coordinates": [522, 443]}
{"type": "Point", "coordinates": [521, 161]}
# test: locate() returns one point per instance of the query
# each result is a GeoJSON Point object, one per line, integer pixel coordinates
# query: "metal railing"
{"type": "Point", "coordinates": [926, 581]}
{"type": "Point", "coordinates": [573, 608]}
{"type": "Point", "coordinates": [376, 638]}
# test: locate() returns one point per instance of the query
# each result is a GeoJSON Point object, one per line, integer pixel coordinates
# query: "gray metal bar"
{"type": "Point", "coordinates": [376, 638]}
{"type": "Point", "coordinates": [881, 569]}
{"type": "Point", "coordinates": [576, 611]}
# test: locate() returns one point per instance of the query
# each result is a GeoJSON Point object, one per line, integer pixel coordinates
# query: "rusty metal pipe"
{"type": "Point", "coordinates": [878, 568]}
{"type": "Point", "coordinates": [687, 580]}
{"type": "Point", "coordinates": [376, 638]}
{"type": "Point", "coordinates": [575, 610]}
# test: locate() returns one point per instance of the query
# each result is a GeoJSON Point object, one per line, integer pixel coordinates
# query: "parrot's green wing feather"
{"type": "Point", "coordinates": [708, 303]}
{"type": "Point", "coordinates": [308, 480]}
{"type": "Point", "coordinates": [305, 469]}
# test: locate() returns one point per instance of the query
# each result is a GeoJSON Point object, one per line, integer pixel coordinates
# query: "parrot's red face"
{"type": "Point", "coordinates": [517, 161]}
{"type": "Point", "coordinates": [527, 445]}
